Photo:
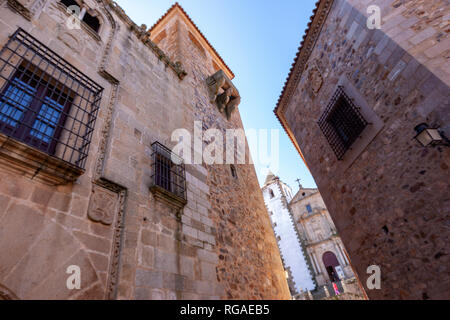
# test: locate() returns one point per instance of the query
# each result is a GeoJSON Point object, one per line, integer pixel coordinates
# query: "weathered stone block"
{"type": "Point", "coordinates": [174, 281]}
{"type": "Point", "coordinates": [207, 256]}
{"type": "Point", "coordinates": [18, 220]}
{"type": "Point", "coordinates": [42, 195]}
{"type": "Point", "coordinates": [166, 261]}
{"type": "Point", "coordinates": [142, 294]}
{"type": "Point", "coordinates": [60, 201]}
{"type": "Point", "coordinates": [187, 266]}
{"type": "Point", "coordinates": [93, 243]}
{"type": "Point", "coordinates": [149, 238]}
{"type": "Point", "coordinates": [147, 257]}
{"type": "Point", "coordinates": [208, 271]}
{"type": "Point", "coordinates": [149, 279]}
{"type": "Point", "coordinates": [189, 231]}
{"type": "Point", "coordinates": [16, 188]}
{"type": "Point", "coordinates": [99, 261]}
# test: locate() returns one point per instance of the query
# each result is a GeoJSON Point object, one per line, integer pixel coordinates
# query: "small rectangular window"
{"type": "Point", "coordinates": [168, 171]}
{"type": "Point", "coordinates": [308, 208]}
{"type": "Point", "coordinates": [341, 123]}
{"type": "Point", "coordinates": [233, 171]}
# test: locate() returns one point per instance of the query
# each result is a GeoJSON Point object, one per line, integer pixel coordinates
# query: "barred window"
{"type": "Point", "coordinates": [341, 123]}
{"type": "Point", "coordinates": [45, 102]}
{"type": "Point", "coordinates": [168, 172]}
{"type": "Point", "coordinates": [34, 110]}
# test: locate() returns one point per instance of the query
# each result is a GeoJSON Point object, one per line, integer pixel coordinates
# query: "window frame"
{"type": "Point", "coordinates": [73, 144]}
{"type": "Point", "coordinates": [25, 125]}
{"type": "Point", "coordinates": [172, 183]}
{"type": "Point", "coordinates": [375, 126]}
{"type": "Point", "coordinates": [342, 123]}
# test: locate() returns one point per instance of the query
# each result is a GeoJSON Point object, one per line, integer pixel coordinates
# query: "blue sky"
{"type": "Point", "coordinates": [258, 40]}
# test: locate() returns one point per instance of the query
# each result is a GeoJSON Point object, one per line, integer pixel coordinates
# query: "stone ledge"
{"type": "Point", "coordinates": [35, 164]}
{"type": "Point", "coordinates": [168, 197]}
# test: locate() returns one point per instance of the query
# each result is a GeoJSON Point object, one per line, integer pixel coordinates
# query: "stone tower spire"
{"type": "Point", "coordinates": [270, 177]}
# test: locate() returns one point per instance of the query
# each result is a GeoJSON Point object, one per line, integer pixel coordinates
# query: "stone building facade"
{"type": "Point", "coordinates": [317, 230]}
{"type": "Point", "coordinates": [89, 103]}
{"type": "Point", "coordinates": [386, 193]}
{"type": "Point", "coordinates": [277, 196]}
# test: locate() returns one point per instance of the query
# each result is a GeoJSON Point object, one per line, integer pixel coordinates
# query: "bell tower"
{"type": "Point", "coordinates": [277, 196]}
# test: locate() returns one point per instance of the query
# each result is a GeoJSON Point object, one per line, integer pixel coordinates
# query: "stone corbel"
{"type": "Point", "coordinates": [223, 93]}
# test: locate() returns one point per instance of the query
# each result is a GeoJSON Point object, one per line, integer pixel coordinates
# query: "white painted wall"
{"type": "Point", "coordinates": [289, 245]}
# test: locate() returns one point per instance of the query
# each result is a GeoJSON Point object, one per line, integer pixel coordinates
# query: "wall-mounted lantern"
{"type": "Point", "coordinates": [427, 136]}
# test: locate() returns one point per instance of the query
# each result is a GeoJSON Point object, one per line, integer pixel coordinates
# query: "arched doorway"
{"type": "Point", "coordinates": [331, 262]}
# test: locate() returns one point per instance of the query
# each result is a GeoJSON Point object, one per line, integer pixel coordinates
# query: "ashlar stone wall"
{"type": "Point", "coordinates": [390, 206]}
{"type": "Point", "coordinates": [237, 239]}
{"type": "Point", "coordinates": [127, 244]}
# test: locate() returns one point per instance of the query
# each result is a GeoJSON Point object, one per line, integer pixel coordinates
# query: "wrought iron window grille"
{"type": "Point", "coordinates": [168, 172]}
{"type": "Point", "coordinates": [341, 123]}
{"type": "Point", "coordinates": [45, 102]}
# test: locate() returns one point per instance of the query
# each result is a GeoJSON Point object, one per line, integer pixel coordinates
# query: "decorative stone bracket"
{"type": "Point", "coordinates": [223, 93]}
